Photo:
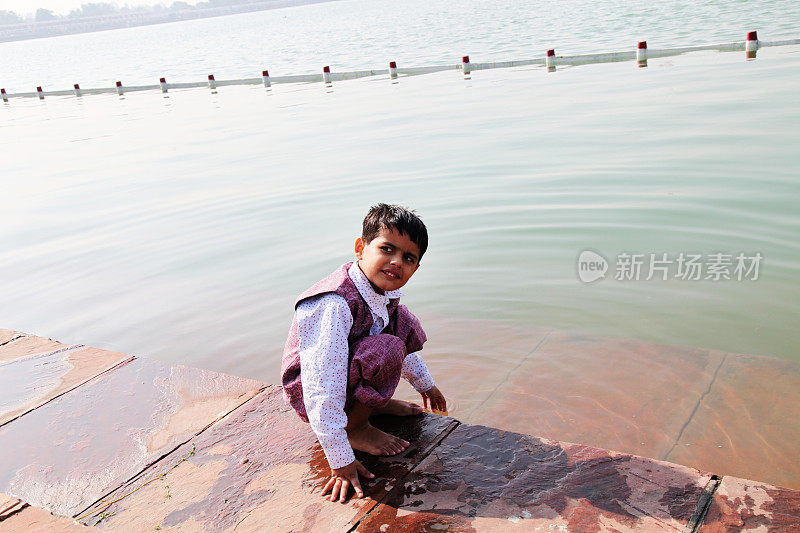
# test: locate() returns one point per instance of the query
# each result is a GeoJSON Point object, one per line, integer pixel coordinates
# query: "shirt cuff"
{"type": "Point", "coordinates": [339, 452]}
{"type": "Point", "coordinates": [416, 372]}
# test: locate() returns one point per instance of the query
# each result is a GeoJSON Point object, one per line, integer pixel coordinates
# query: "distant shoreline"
{"type": "Point", "coordinates": [39, 30]}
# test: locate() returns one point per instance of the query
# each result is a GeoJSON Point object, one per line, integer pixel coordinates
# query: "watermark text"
{"type": "Point", "coordinates": [684, 266]}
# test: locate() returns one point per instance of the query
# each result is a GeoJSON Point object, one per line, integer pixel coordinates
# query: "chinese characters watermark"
{"type": "Point", "coordinates": [684, 266]}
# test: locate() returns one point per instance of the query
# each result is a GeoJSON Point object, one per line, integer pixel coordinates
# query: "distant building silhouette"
{"type": "Point", "coordinates": [103, 16]}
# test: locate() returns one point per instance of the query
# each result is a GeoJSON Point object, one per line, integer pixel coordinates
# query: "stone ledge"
{"type": "Point", "coordinates": [17, 515]}
{"type": "Point", "coordinates": [731, 414]}
{"type": "Point", "coordinates": [146, 446]}
{"type": "Point", "coordinates": [485, 479]}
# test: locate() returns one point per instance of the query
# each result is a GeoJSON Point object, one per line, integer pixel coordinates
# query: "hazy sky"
{"type": "Point", "coordinates": [64, 6]}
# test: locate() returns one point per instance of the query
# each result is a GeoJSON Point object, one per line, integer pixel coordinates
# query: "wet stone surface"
{"type": "Point", "coordinates": [469, 358]}
{"type": "Point", "coordinates": [31, 380]}
{"type": "Point", "coordinates": [259, 469]}
{"type": "Point", "coordinates": [609, 393]}
{"type": "Point", "coordinates": [484, 479]}
{"type": "Point", "coordinates": [171, 448]}
{"type": "Point", "coordinates": [7, 335]}
{"type": "Point", "coordinates": [17, 516]}
{"type": "Point", "coordinates": [748, 424]}
{"type": "Point", "coordinates": [730, 414]}
{"type": "Point", "coordinates": [19, 345]}
{"type": "Point", "coordinates": [744, 505]}
{"type": "Point", "coordinates": [66, 454]}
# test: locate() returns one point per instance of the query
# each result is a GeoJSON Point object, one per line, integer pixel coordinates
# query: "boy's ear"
{"type": "Point", "coordinates": [359, 247]}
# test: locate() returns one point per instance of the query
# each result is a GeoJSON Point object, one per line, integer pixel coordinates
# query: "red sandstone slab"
{"type": "Point", "coordinates": [7, 335]}
{"type": "Point", "coordinates": [16, 516]}
{"type": "Point", "coordinates": [28, 345]}
{"type": "Point", "coordinates": [485, 479]}
{"type": "Point", "coordinates": [30, 381]}
{"type": "Point", "coordinates": [743, 505]}
{"type": "Point", "coordinates": [66, 454]}
{"type": "Point", "coordinates": [619, 394]}
{"type": "Point", "coordinates": [259, 469]}
{"type": "Point", "coordinates": [748, 425]}
{"type": "Point", "coordinates": [469, 358]}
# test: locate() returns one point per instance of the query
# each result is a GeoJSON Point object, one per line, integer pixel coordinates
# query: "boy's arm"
{"type": "Point", "coordinates": [416, 372]}
{"type": "Point", "coordinates": [323, 324]}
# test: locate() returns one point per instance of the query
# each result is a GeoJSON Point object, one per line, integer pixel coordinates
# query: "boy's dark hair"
{"type": "Point", "coordinates": [404, 221]}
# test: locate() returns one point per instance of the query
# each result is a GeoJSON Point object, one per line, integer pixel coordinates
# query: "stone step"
{"type": "Point", "coordinates": [19, 516]}
{"type": "Point", "coordinates": [131, 444]}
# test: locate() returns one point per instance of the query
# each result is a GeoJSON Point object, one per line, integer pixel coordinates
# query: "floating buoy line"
{"type": "Point", "coordinates": [550, 61]}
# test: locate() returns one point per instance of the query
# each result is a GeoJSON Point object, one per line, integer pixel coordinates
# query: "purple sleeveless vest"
{"type": "Point", "coordinates": [402, 324]}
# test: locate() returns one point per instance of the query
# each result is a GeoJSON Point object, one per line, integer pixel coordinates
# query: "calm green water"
{"type": "Point", "coordinates": [183, 227]}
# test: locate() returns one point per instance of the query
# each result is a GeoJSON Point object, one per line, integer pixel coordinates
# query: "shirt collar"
{"type": "Point", "coordinates": [377, 302]}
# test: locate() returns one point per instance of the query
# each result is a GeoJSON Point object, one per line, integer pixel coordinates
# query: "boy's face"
{"type": "Point", "coordinates": [389, 260]}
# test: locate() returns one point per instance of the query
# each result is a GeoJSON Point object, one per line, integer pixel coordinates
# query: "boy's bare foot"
{"type": "Point", "coordinates": [372, 440]}
{"type": "Point", "coordinates": [399, 408]}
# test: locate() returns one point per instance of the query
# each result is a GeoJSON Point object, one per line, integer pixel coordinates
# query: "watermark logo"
{"type": "Point", "coordinates": [685, 266]}
{"type": "Point", "coordinates": [591, 266]}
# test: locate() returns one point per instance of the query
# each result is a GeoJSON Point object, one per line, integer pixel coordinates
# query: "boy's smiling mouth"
{"type": "Point", "coordinates": [390, 274]}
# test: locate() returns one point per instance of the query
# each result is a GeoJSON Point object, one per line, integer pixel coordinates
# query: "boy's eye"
{"type": "Point", "coordinates": [386, 248]}
{"type": "Point", "coordinates": [409, 259]}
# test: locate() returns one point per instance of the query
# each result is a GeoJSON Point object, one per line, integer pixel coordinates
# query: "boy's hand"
{"type": "Point", "coordinates": [342, 478]}
{"type": "Point", "coordinates": [438, 402]}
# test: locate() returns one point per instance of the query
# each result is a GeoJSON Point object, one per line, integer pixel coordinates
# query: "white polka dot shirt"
{"type": "Point", "coordinates": [323, 325]}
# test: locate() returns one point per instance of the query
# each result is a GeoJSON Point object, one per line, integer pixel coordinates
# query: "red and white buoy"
{"type": "Point", "coordinates": [392, 69]}
{"type": "Point", "coordinates": [641, 51]}
{"type": "Point", "coordinates": [550, 59]}
{"type": "Point", "coordinates": [41, 93]}
{"type": "Point", "coordinates": [265, 78]}
{"type": "Point", "coordinates": [212, 83]}
{"type": "Point", "coordinates": [4, 95]}
{"type": "Point", "coordinates": [465, 66]}
{"type": "Point", "coordinates": [326, 74]}
{"type": "Point", "coordinates": [119, 88]}
{"type": "Point", "coordinates": [751, 44]}
{"type": "Point", "coordinates": [163, 83]}
{"type": "Point", "coordinates": [76, 89]}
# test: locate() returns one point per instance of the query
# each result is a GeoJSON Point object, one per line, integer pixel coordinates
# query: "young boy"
{"type": "Point", "coordinates": [351, 341]}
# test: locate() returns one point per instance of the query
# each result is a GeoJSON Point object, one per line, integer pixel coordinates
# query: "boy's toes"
{"type": "Point", "coordinates": [399, 408]}
{"type": "Point", "coordinates": [412, 408]}
{"type": "Point", "coordinates": [392, 447]}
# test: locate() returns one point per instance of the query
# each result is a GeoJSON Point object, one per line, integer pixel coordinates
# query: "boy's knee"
{"type": "Point", "coordinates": [382, 348]}
{"type": "Point", "coordinates": [377, 362]}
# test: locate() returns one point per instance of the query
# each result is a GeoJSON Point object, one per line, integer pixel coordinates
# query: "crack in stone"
{"type": "Point", "coordinates": [443, 435]}
{"type": "Point", "coordinates": [648, 480]}
{"type": "Point", "coordinates": [57, 396]}
{"type": "Point", "coordinates": [703, 505]}
{"type": "Point", "coordinates": [41, 355]}
{"type": "Point", "coordinates": [8, 513]}
{"type": "Point", "coordinates": [643, 514]}
{"type": "Point", "coordinates": [508, 375]}
{"type": "Point", "coordinates": [144, 470]}
{"type": "Point", "coordinates": [696, 407]}
{"type": "Point", "coordinates": [11, 340]}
